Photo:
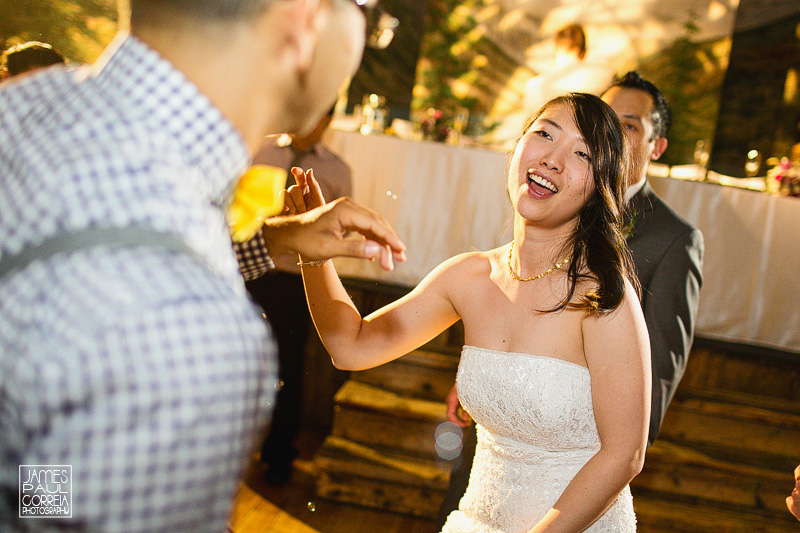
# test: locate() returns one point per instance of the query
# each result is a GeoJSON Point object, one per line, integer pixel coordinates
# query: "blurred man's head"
{"type": "Point", "coordinates": [27, 58]}
{"type": "Point", "coordinates": [645, 117]}
{"type": "Point", "coordinates": [271, 66]}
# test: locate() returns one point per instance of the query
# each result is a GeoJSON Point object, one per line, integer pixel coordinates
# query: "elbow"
{"type": "Point", "coordinates": [341, 356]}
{"type": "Point", "coordinates": [626, 461]}
{"type": "Point", "coordinates": [339, 363]}
{"type": "Point", "coordinates": [636, 462]}
{"type": "Point", "coordinates": [348, 355]}
{"type": "Point", "coordinates": [629, 463]}
{"type": "Point", "coordinates": [636, 468]}
{"type": "Point", "coordinates": [344, 363]}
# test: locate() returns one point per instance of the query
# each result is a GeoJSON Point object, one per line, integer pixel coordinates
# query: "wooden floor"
{"type": "Point", "coordinates": [722, 462]}
{"type": "Point", "coordinates": [294, 508]}
{"type": "Point", "coordinates": [254, 513]}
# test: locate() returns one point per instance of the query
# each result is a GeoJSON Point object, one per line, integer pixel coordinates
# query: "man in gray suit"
{"type": "Point", "coordinates": [667, 251]}
{"type": "Point", "coordinates": [667, 254]}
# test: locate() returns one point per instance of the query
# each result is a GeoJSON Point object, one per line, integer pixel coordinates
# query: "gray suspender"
{"type": "Point", "coordinates": [128, 236]}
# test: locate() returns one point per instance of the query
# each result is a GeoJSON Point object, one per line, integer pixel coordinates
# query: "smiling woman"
{"type": "Point", "coordinates": [527, 340]}
{"type": "Point", "coordinates": [576, 170]}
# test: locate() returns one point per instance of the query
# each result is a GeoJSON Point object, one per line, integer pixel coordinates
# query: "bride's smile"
{"type": "Point", "coordinates": [537, 181]}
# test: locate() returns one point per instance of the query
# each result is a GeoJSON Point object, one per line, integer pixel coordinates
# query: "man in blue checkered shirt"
{"type": "Point", "coordinates": [145, 366]}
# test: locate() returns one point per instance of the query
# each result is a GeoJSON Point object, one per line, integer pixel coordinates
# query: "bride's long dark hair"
{"type": "Point", "coordinates": [598, 248]}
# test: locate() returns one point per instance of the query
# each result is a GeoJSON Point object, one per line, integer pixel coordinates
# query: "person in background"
{"type": "Point", "coordinates": [667, 250]}
{"type": "Point", "coordinates": [280, 292]}
{"type": "Point", "coordinates": [308, 152]}
{"type": "Point", "coordinates": [129, 348]}
{"type": "Point", "coordinates": [27, 58]}
{"type": "Point", "coordinates": [667, 255]}
{"type": "Point", "coordinates": [570, 71]}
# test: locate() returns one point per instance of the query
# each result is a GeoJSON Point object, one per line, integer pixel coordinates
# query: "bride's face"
{"type": "Point", "coordinates": [551, 175]}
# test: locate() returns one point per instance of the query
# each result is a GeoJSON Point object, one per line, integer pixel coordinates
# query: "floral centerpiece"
{"type": "Point", "coordinates": [434, 127]}
{"type": "Point", "coordinates": [787, 175]}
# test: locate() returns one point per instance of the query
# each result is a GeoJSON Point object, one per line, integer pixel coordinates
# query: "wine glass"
{"type": "Point", "coordinates": [701, 158]}
{"type": "Point", "coordinates": [753, 163]}
{"type": "Point", "coordinates": [460, 123]}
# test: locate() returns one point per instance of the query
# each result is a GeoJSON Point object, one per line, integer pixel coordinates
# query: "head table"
{"type": "Point", "coordinates": [444, 200]}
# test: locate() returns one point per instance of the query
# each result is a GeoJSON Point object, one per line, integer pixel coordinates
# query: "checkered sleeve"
{"type": "Point", "coordinates": [253, 256]}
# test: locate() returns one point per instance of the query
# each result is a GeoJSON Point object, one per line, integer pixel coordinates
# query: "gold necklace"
{"type": "Point", "coordinates": [557, 266]}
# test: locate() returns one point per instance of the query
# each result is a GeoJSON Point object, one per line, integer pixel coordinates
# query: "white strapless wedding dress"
{"type": "Point", "coordinates": [536, 429]}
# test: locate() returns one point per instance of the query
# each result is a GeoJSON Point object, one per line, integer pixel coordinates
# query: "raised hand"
{"type": "Point", "coordinates": [306, 194]}
{"type": "Point", "coordinates": [316, 230]}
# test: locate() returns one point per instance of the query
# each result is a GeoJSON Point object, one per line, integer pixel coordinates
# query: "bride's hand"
{"type": "Point", "coordinates": [305, 195]}
{"type": "Point", "coordinates": [455, 413]}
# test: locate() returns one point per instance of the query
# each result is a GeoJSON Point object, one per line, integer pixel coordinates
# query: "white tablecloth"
{"type": "Point", "coordinates": [751, 292]}
{"type": "Point", "coordinates": [444, 200]}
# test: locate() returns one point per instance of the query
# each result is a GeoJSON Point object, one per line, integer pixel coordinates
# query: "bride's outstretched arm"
{"type": "Point", "coordinates": [356, 343]}
{"type": "Point", "coordinates": [617, 352]}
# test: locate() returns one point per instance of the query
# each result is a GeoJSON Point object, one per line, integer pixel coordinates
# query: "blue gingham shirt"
{"type": "Point", "coordinates": [150, 372]}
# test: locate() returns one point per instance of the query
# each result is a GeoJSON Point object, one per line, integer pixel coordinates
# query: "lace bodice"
{"type": "Point", "coordinates": [536, 429]}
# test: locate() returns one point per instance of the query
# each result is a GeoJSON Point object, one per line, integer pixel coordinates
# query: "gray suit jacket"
{"type": "Point", "coordinates": [668, 257]}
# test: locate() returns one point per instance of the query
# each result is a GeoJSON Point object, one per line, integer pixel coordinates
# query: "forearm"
{"type": "Point", "coordinates": [279, 234]}
{"type": "Point", "coordinates": [591, 492]}
{"type": "Point", "coordinates": [336, 318]}
{"type": "Point", "coordinates": [386, 334]}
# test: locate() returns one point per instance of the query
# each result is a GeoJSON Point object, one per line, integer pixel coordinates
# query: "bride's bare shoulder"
{"type": "Point", "coordinates": [474, 264]}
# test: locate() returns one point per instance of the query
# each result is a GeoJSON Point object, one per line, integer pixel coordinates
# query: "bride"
{"type": "Point", "coordinates": [555, 370]}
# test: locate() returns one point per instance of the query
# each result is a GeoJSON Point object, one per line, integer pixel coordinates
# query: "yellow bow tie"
{"type": "Point", "coordinates": [257, 197]}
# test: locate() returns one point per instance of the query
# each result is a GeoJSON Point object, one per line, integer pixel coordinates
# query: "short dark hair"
{"type": "Point", "coordinates": [661, 116]}
{"type": "Point", "coordinates": [144, 11]}
{"type": "Point", "coordinates": [28, 56]}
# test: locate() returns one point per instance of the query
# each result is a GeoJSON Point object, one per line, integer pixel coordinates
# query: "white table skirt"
{"type": "Point", "coordinates": [751, 292]}
{"type": "Point", "coordinates": [444, 200]}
